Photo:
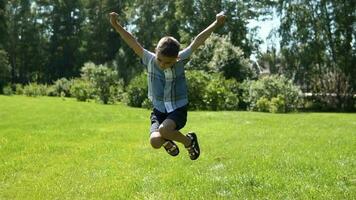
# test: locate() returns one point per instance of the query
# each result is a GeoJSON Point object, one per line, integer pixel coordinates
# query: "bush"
{"type": "Point", "coordinates": [269, 87]}
{"type": "Point", "coordinates": [137, 91]}
{"type": "Point", "coordinates": [19, 89]}
{"type": "Point", "coordinates": [116, 92]}
{"type": "Point", "coordinates": [81, 90]}
{"type": "Point", "coordinates": [218, 96]}
{"type": "Point", "coordinates": [7, 90]}
{"type": "Point", "coordinates": [263, 104]}
{"type": "Point", "coordinates": [34, 90]}
{"type": "Point", "coordinates": [61, 87]}
{"type": "Point", "coordinates": [211, 92]}
{"type": "Point", "coordinates": [197, 82]}
{"type": "Point", "coordinates": [105, 83]}
{"type": "Point", "coordinates": [277, 105]}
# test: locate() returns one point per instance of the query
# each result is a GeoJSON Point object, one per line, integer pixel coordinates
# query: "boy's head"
{"type": "Point", "coordinates": [167, 52]}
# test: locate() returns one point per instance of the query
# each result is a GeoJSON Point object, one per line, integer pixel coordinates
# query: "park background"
{"type": "Point", "coordinates": [45, 46]}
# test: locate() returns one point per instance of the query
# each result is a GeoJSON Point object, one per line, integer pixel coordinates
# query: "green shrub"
{"type": "Point", "coordinates": [147, 104]}
{"type": "Point", "coordinates": [218, 96]}
{"type": "Point", "coordinates": [81, 89]}
{"type": "Point", "coordinates": [271, 87]}
{"type": "Point", "coordinates": [277, 105]}
{"type": "Point", "coordinates": [211, 92]}
{"type": "Point", "coordinates": [34, 89]}
{"type": "Point", "coordinates": [136, 92]}
{"type": "Point", "coordinates": [103, 80]}
{"type": "Point", "coordinates": [61, 87]}
{"type": "Point", "coordinates": [19, 89]}
{"type": "Point", "coordinates": [197, 82]}
{"type": "Point", "coordinates": [263, 104]}
{"type": "Point", "coordinates": [116, 92]}
{"type": "Point", "coordinates": [7, 90]}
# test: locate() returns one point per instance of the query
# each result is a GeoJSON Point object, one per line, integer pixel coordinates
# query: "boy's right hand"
{"type": "Point", "coordinates": [113, 17]}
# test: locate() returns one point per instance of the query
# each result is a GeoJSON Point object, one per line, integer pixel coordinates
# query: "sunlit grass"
{"type": "Point", "coordinates": [52, 148]}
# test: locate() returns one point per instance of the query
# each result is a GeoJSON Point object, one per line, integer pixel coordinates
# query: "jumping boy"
{"type": "Point", "coordinates": [167, 88]}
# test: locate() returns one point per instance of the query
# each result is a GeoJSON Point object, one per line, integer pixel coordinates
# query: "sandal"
{"type": "Point", "coordinates": [193, 149]}
{"type": "Point", "coordinates": [171, 148]}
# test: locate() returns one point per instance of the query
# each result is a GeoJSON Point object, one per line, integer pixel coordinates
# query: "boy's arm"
{"type": "Point", "coordinates": [200, 39]}
{"type": "Point", "coordinates": [126, 36]}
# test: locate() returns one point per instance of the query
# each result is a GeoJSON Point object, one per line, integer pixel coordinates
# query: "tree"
{"type": "Point", "coordinates": [65, 40]}
{"type": "Point", "coordinates": [24, 41]}
{"type": "Point", "coordinates": [318, 38]}
{"type": "Point", "coordinates": [219, 55]}
{"type": "Point", "coordinates": [101, 42]}
{"type": "Point", "coordinates": [3, 26]}
{"type": "Point", "coordinates": [5, 70]}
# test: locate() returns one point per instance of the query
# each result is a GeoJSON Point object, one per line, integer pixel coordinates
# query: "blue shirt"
{"type": "Point", "coordinates": [167, 89]}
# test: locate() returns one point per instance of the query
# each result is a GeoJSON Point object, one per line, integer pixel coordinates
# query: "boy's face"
{"type": "Point", "coordinates": [165, 62]}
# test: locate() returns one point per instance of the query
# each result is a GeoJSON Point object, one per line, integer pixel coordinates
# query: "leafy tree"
{"type": "Point", "coordinates": [219, 55]}
{"type": "Point", "coordinates": [100, 40]}
{"type": "Point", "coordinates": [65, 41]}
{"type": "Point", "coordinates": [318, 37]}
{"type": "Point", "coordinates": [25, 44]}
{"type": "Point", "coordinates": [3, 26]}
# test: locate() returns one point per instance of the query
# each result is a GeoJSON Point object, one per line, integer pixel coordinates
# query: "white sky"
{"type": "Point", "coordinates": [265, 28]}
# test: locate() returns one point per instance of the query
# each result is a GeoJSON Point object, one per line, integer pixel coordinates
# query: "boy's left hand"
{"type": "Point", "coordinates": [220, 18]}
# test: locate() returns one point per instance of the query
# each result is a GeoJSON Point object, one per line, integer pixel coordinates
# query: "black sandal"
{"type": "Point", "coordinates": [171, 148]}
{"type": "Point", "coordinates": [193, 149]}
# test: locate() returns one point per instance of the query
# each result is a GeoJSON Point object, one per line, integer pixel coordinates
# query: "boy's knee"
{"type": "Point", "coordinates": [156, 141]}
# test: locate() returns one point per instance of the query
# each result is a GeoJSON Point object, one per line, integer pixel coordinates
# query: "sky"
{"type": "Point", "coordinates": [265, 28]}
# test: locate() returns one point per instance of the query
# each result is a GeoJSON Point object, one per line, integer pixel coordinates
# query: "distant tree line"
{"type": "Point", "coordinates": [45, 40]}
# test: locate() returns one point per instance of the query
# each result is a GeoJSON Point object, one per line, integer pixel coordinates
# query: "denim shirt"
{"type": "Point", "coordinates": [167, 89]}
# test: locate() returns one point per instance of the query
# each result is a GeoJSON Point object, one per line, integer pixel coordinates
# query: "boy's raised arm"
{"type": "Point", "coordinates": [126, 36]}
{"type": "Point", "coordinates": [200, 39]}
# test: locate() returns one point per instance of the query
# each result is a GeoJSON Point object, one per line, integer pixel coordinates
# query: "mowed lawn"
{"type": "Point", "coordinates": [53, 148]}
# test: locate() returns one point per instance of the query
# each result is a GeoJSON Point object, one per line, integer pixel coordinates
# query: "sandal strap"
{"type": "Point", "coordinates": [171, 148]}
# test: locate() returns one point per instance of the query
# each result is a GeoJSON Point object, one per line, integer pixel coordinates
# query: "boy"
{"type": "Point", "coordinates": [167, 88]}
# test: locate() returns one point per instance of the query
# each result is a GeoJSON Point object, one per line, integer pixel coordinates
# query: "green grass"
{"type": "Point", "coordinates": [52, 148]}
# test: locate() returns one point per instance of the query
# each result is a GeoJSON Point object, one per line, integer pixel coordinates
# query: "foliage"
{"type": "Point", "coordinates": [19, 89]}
{"type": "Point", "coordinates": [34, 90]}
{"type": "Point", "coordinates": [7, 90]}
{"type": "Point", "coordinates": [61, 87]}
{"type": "Point", "coordinates": [218, 54]}
{"type": "Point", "coordinates": [47, 40]}
{"type": "Point", "coordinates": [197, 82]}
{"type": "Point", "coordinates": [318, 37]}
{"type": "Point", "coordinates": [263, 104]}
{"type": "Point", "coordinates": [5, 70]}
{"type": "Point", "coordinates": [81, 89]}
{"type": "Point", "coordinates": [137, 91]}
{"type": "Point", "coordinates": [257, 93]}
{"type": "Point", "coordinates": [211, 92]}
{"type": "Point", "coordinates": [103, 80]}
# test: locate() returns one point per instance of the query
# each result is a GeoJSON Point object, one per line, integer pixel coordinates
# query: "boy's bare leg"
{"type": "Point", "coordinates": [167, 131]}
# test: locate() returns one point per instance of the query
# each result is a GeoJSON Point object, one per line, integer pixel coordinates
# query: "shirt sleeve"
{"type": "Point", "coordinates": [185, 53]}
{"type": "Point", "coordinates": [147, 56]}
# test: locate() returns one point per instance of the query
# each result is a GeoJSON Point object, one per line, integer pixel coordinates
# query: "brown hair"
{"type": "Point", "coordinates": [168, 46]}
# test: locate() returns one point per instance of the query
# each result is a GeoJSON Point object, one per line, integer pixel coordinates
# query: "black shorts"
{"type": "Point", "coordinates": [179, 116]}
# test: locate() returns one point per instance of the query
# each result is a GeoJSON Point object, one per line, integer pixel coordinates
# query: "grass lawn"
{"type": "Point", "coordinates": [53, 148]}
